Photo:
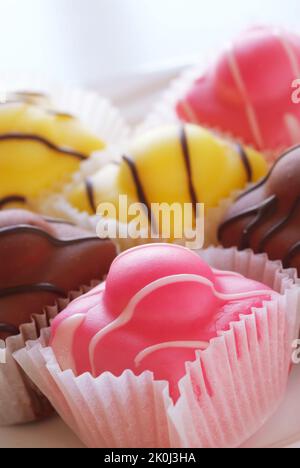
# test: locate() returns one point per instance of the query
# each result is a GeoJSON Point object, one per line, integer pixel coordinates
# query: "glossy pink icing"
{"type": "Point", "coordinates": [248, 92]}
{"type": "Point", "coordinates": [159, 305]}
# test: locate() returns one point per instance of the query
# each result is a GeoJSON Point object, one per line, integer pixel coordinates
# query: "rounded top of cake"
{"type": "Point", "coordinates": [283, 180]}
{"type": "Point", "coordinates": [134, 270]}
{"type": "Point", "coordinates": [247, 92]}
{"type": "Point", "coordinates": [260, 54]}
{"type": "Point", "coordinates": [160, 304]}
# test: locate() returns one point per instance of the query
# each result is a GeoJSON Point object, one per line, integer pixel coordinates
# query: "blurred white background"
{"type": "Point", "coordinates": [98, 42]}
{"type": "Point", "coordinates": [128, 49]}
{"type": "Point", "coordinates": [89, 41]}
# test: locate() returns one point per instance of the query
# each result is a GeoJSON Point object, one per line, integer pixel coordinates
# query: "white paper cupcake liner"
{"type": "Point", "coordinates": [164, 111]}
{"type": "Point", "coordinates": [20, 400]}
{"type": "Point", "coordinates": [228, 392]}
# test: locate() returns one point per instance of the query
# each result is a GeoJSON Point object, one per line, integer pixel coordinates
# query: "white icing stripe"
{"type": "Point", "coordinates": [62, 343]}
{"type": "Point", "coordinates": [250, 111]}
{"type": "Point", "coordinates": [202, 345]}
{"type": "Point", "coordinates": [189, 112]}
{"type": "Point", "coordinates": [292, 57]}
{"type": "Point", "coordinates": [293, 127]}
{"type": "Point", "coordinates": [128, 312]}
{"type": "Point", "coordinates": [226, 273]}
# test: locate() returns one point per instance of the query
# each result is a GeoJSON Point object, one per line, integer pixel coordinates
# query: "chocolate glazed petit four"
{"type": "Point", "coordinates": [42, 260]}
{"type": "Point", "coordinates": [266, 218]}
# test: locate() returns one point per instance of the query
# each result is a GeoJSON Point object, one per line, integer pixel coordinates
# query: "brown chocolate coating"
{"type": "Point", "coordinates": [266, 218]}
{"type": "Point", "coordinates": [42, 260]}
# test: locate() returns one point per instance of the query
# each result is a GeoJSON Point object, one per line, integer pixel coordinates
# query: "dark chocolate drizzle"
{"type": "Point", "coordinates": [288, 259]}
{"type": "Point", "coordinates": [278, 227]}
{"type": "Point", "coordinates": [246, 162]}
{"type": "Point", "coordinates": [261, 213]}
{"type": "Point", "coordinates": [39, 287]}
{"type": "Point", "coordinates": [188, 164]}
{"type": "Point", "coordinates": [91, 195]}
{"type": "Point", "coordinates": [266, 179]}
{"type": "Point", "coordinates": [45, 142]}
{"type": "Point", "coordinates": [8, 329]}
{"type": "Point", "coordinates": [138, 184]}
{"type": "Point", "coordinates": [26, 229]}
{"type": "Point", "coordinates": [32, 288]}
{"type": "Point", "coordinates": [12, 199]}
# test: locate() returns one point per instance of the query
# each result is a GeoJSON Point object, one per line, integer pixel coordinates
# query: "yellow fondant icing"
{"type": "Point", "coordinates": [28, 166]}
{"type": "Point", "coordinates": [217, 170]}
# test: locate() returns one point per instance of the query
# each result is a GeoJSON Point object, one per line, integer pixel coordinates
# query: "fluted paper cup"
{"type": "Point", "coordinates": [227, 394]}
{"type": "Point", "coordinates": [20, 400]}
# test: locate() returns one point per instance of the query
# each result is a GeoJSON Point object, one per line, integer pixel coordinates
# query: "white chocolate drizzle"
{"type": "Point", "coordinates": [226, 273]}
{"type": "Point", "coordinates": [201, 345]}
{"type": "Point", "coordinates": [250, 110]}
{"type": "Point", "coordinates": [129, 310]}
{"type": "Point", "coordinates": [189, 112]}
{"type": "Point", "coordinates": [293, 127]}
{"type": "Point", "coordinates": [291, 55]}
